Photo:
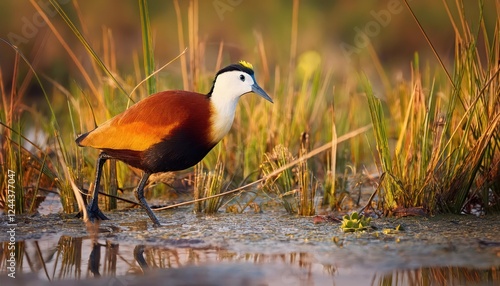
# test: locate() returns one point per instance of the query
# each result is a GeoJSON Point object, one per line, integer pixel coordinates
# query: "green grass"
{"type": "Point", "coordinates": [436, 140]}
{"type": "Point", "coordinates": [381, 137]}
{"type": "Point", "coordinates": [447, 137]}
{"type": "Point", "coordinates": [147, 46]}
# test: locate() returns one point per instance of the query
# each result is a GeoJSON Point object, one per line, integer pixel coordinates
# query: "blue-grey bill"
{"type": "Point", "coordinates": [258, 90]}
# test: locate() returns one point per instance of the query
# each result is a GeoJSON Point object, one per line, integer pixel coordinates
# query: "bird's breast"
{"type": "Point", "coordinates": [221, 120]}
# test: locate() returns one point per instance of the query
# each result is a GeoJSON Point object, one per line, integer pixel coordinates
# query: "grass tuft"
{"type": "Point", "coordinates": [208, 184]}
{"type": "Point", "coordinates": [307, 183]}
{"type": "Point", "coordinates": [281, 185]}
{"type": "Point", "coordinates": [447, 142]}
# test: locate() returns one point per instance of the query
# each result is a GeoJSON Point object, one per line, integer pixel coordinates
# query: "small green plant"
{"type": "Point", "coordinates": [355, 222]}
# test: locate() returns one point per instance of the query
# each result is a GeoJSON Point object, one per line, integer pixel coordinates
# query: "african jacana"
{"type": "Point", "coordinates": [170, 130]}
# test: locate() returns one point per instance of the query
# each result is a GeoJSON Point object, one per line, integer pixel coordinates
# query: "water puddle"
{"type": "Point", "coordinates": [249, 249]}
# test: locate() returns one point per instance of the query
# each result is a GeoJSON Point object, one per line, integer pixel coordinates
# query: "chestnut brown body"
{"type": "Point", "coordinates": [168, 131]}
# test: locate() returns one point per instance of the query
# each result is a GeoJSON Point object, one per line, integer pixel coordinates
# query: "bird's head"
{"type": "Point", "coordinates": [230, 84]}
{"type": "Point", "coordinates": [235, 80]}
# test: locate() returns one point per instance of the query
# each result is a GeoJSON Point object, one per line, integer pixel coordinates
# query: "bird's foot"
{"type": "Point", "coordinates": [95, 213]}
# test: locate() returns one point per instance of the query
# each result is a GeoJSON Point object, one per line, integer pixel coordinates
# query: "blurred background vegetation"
{"type": "Point", "coordinates": [308, 55]}
{"type": "Point", "coordinates": [323, 26]}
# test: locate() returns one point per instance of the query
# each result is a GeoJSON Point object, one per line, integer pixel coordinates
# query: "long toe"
{"type": "Point", "coordinates": [94, 214]}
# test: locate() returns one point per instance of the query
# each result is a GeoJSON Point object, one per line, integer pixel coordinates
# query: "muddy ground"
{"type": "Point", "coordinates": [267, 248]}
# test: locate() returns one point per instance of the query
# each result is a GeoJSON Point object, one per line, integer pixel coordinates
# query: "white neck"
{"type": "Point", "coordinates": [224, 103]}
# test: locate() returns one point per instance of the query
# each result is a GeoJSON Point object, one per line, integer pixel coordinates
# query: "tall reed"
{"type": "Point", "coordinates": [447, 136]}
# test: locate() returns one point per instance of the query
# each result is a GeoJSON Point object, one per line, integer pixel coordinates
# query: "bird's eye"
{"type": "Point", "coordinates": [242, 77]}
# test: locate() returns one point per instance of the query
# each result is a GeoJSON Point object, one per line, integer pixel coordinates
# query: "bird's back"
{"type": "Point", "coordinates": [167, 131]}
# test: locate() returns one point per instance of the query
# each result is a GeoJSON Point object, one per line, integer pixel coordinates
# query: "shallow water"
{"type": "Point", "coordinates": [269, 248]}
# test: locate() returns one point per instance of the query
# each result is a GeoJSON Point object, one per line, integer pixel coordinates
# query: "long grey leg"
{"type": "Point", "coordinates": [139, 194]}
{"type": "Point", "coordinates": [93, 207]}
